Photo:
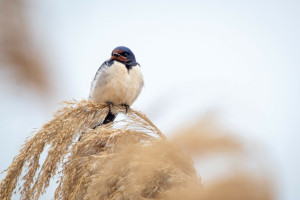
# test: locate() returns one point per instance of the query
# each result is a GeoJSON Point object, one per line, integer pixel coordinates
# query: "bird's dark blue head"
{"type": "Point", "coordinates": [123, 55]}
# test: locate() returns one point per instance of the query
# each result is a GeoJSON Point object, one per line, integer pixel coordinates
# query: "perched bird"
{"type": "Point", "coordinates": [118, 81]}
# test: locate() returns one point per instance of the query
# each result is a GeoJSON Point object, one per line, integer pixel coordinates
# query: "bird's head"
{"type": "Point", "coordinates": [123, 55]}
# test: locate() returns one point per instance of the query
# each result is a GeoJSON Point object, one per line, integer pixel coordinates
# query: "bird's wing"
{"type": "Point", "coordinates": [98, 74]}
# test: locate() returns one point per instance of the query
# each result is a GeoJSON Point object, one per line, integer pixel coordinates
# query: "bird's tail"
{"type": "Point", "coordinates": [110, 117]}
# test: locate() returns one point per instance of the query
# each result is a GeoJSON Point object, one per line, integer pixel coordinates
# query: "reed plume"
{"type": "Point", "coordinates": [18, 49]}
{"type": "Point", "coordinates": [126, 159]}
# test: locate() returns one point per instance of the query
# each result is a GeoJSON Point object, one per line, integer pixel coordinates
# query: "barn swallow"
{"type": "Point", "coordinates": [118, 81]}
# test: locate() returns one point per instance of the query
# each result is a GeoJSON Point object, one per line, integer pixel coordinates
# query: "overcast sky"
{"type": "Point", "coordinates": [238, 59]}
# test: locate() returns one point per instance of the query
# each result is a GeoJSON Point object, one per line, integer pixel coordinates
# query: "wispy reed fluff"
{"type": "Point", "coordinates": [127, 159]}
{"type": "Point", "coordinates": [19, 52]}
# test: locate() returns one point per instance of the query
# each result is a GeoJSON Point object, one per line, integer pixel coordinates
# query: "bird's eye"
{"type": "Point", "coordinates": [124, 54]}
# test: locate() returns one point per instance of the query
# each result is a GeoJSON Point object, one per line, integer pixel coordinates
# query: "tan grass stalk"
{"type": "Point", "coordinates": [204, 136]}
{"type": "Point", "coordinates": [59, 133]}
{"type": "Point", "coordinates": [149, 170]}
{"type": "Point", "coordinates": [127, 159]}
{"type": "Point", "coordinates": [18, 50]}
{"type": "Point", "coordinates": [237, 187]}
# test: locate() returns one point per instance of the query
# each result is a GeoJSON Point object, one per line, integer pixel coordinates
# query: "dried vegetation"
{"type": "Point", "coordinates": [18, 50]}
{"type": "Point", "coordinates": [127, 159]}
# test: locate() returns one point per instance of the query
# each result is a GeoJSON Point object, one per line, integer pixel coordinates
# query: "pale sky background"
{"type": "Point", "coordinates": [239, 59]}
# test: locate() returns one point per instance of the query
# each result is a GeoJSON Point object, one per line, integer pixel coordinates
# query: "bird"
{"type": "Point", "coordinates": [118, 81]}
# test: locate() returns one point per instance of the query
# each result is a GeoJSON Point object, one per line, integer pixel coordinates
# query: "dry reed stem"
{"type": "Point", "coordinates": [204, 136]}
{"type": "Point", "coordinates": [127, 159]}
{"type": "Point", "coordinates": [18, 50]}
{"type": "Point", "coordinates": [149, 170]}
{"type": "Point", "coordinates": [95, 147]}
{"type": "Point", "coordinates": [59, 133]}
{"type": "Point", "coordinates": [72, 120]}
{"type": "Point", "coordinates": [237, 187]}
{"type": "Point", "coordinates": [144, 117]}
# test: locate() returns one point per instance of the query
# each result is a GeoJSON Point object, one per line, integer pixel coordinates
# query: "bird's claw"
{"type": "Point", "coordinates": [126, 107]}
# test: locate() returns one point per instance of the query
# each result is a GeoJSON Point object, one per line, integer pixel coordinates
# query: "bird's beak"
{"type": "Point", "coordinates": [118, 57]}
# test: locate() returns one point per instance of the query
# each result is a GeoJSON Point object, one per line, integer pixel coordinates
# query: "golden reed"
{"type": "Point", "coordinates": [127, 159]}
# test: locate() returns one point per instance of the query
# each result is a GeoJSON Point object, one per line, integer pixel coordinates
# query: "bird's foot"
{"type": "Point", "coordinates": [109, 104]}
{"type": "Point", "coordinates": [126, 107]}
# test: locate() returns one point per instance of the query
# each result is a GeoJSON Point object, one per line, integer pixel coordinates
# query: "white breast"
{"type": "Point", "coordinates": [117, 85]}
